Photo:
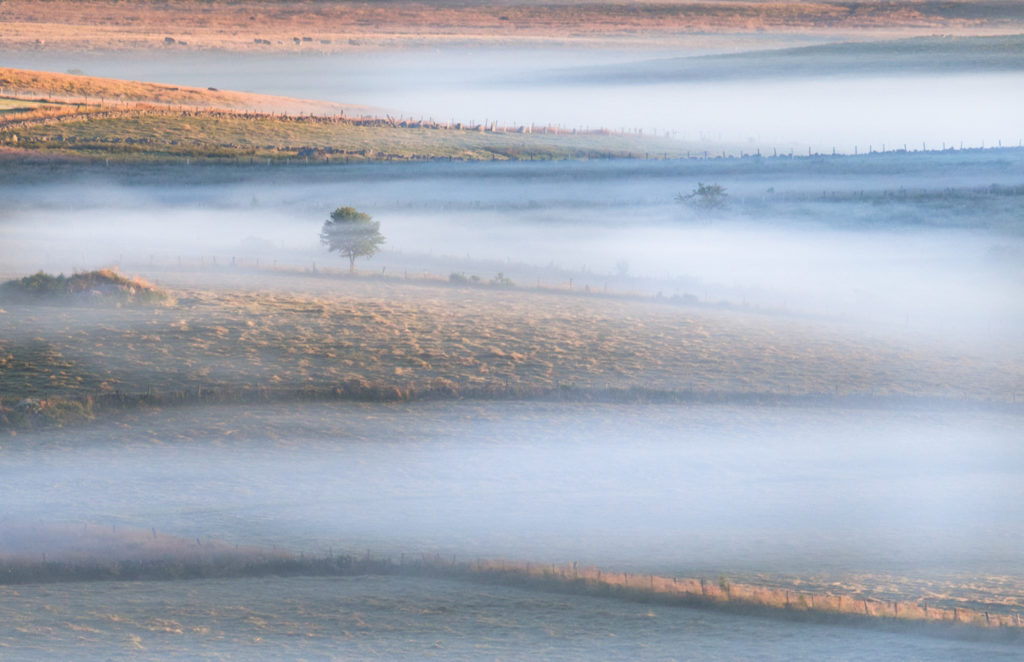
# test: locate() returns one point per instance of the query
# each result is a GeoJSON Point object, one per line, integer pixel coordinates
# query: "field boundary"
{"type": "Point", "coordinates": [720, 594]}
{"type": "Point", "coordinates": [931, 617]}
{"type": "Point", "coordinates": [42, 413]}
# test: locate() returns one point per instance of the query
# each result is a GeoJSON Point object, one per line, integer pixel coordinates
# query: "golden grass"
{"type": "Point", "coordinates": [80, 89]}
{"type": "Point", "coordinates": [391, 339]}
{"type": "Point", "coordinates": [734, 596]}
{"type": "Point", "coordinates": [310, 26]}
{"type": "Point", "coordinates": [79, 116]}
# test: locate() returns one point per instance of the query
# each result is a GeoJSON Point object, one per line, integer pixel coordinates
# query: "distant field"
{"type": "Point", "coordinates": [95, 118]}
{"type": "Point", "coordinates": [75, 90]}
{"type": "Point", "coordinates": [308, 26]}
{"type": "Point", "coordinates": [157, 134]}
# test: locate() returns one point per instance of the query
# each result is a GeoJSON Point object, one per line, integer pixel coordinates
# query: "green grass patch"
{"type": "Point", "coordinates": [17, 105]}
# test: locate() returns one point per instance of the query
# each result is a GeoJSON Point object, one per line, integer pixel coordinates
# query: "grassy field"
{"type": "Point", "coordinates": [18, 105]}
{"type": "Point", "coordinates": [167, 134]}
{"type": "Point", "coordinates": [391, 339]}
{"type": "Point", "coordinates": [71, 89]}
{"type": "Point", "coordinates": [309, 26]}
{"type": "Point", "coordinates": [63, 116]}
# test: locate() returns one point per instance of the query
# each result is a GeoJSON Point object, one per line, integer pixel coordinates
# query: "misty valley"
{"type": "Point", "coordinates": [799, 497]}
{"type": "Point", "coordinates": [866, 438]}
{"type": "Point", "coordinates": [674, 380]}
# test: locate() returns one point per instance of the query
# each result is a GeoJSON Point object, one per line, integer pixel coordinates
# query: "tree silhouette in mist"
{"type": "Point", "coordinates": [351, 234]}
{"type": "Point", "coordinates": [705, 197]}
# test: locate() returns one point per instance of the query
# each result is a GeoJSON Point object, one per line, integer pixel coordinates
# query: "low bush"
{"type": "Point", "coordinates": [100, 286]}
{"type": "Point", "coordinates": [30, 413]}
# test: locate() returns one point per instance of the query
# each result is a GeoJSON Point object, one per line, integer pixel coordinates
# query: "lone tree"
{"type": "Point", "coordinates": [705, 196]}
{"type": "Point", "coordinates": [351, 234]}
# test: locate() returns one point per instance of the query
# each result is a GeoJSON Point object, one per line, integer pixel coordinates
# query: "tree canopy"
{"type": "Point", "coordinates": [705, 196]}
{"type": "Point", "coordinates": [351, 234]}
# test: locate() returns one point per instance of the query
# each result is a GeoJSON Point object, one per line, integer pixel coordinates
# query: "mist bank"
{"type": "Point", "coordinates": [932, 90]}
{"type": "Point", "coordinates": [932, 56]}
{"type": "Point", "coordinates": [655, 488]}
{"type": "Point", "coordinates": [846, 97]}
{"type": "Point", "coordinates": [951, 188]}
{"type": "Point", "coordinates": [927, 241]}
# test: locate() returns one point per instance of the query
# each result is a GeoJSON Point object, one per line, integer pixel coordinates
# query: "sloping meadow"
{"type": "Point", "coordinates": [450, 341]}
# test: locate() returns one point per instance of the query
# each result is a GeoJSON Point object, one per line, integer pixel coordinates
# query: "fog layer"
{"type": "Point", "coordinates": [824, 97]}
{"type": "Point", "coordinates": [676, 489]}
{"type": "Point", "coordinates": [923, 246]}
{"type": "Point", "coordinates": [927, 243]}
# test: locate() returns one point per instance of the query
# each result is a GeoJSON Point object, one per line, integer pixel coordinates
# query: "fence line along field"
{"type": "Point", "coordinates": [84, 552]}
{"type": "Point", "coordinates": [391, 339]}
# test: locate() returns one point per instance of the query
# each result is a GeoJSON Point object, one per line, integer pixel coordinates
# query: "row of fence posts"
{"type": "Point", "coordinates": [513, 129]}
